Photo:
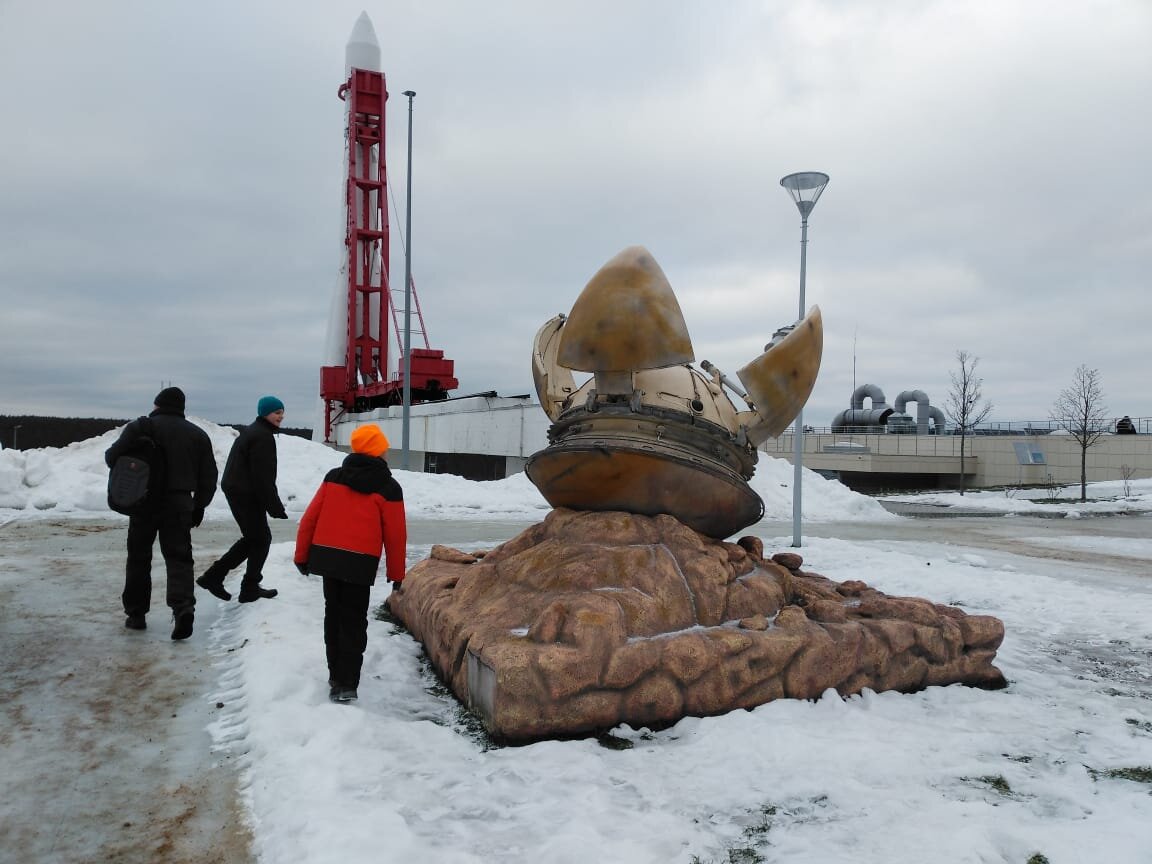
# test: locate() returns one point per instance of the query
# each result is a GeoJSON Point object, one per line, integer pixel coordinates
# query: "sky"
{"type": "Point", "coordinates": [170, 176]}
{"type": "Point", "coordinates": [1042, 767]}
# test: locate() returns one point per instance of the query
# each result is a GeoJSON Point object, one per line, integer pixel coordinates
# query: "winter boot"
{"type": "Point", "coordinates": [247, 595]}
{"type": "Point", "coordinates": [213, 584]}
{"type": "Point", "coordinates": [183, 627]}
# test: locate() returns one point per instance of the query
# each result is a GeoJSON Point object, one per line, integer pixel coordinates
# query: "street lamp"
{"type": "Point", "coordinates": [805, 188]}
{"type": "Point", "coordinates": [407, 412]}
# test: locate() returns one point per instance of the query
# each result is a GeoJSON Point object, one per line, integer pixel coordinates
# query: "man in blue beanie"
{"type": "Point", "coordinates": [249, 484]}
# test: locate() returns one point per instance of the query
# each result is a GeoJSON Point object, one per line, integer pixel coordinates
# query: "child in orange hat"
{"type": "Point", "coordinates": [355, 518]}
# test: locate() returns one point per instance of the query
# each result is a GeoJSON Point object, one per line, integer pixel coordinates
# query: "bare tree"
{"type": "Point", "coordinates": [963, 404]}
{"type": "Point", "coordinates": [1081, 412]}
{"type": "Point", "coordinates": [1126, 474]}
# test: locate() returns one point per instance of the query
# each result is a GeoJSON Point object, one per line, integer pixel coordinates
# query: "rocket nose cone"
{"type": "Point", "coordinates": [362, 50]}
{"type": "Point", "coordinates": [363, 31]}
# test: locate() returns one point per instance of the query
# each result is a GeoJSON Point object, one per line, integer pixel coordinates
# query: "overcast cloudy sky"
{"type": "Point", "coordinates": [170, 188]}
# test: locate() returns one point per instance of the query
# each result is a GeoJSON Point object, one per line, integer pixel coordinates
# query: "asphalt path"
{"type": "Point", "coordinates": [105, 753]}
{"type": "Point", "coordinates": [106, 757]}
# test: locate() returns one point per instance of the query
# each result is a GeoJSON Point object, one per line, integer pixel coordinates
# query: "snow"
{"type": "Point", "coordinates": [949, 774]}
{"type": "Point", "coordinates": [1108, 497]}
{"type": "Point", "coordinates": [73, 481]}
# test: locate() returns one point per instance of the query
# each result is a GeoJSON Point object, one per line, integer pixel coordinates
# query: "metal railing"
{"type": "Point", "coordinates": [1143, 426]}
{"type": "Point", "coordinates": [826, 441]}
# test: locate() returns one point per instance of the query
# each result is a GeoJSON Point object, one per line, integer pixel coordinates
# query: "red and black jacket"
{"type": "Point", "coordinates": [356, 516]}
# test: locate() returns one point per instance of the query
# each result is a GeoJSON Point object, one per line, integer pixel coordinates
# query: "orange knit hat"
{"type": "Point", "coordinates": [370, 440]}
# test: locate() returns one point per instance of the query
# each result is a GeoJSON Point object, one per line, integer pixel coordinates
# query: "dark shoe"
{"type": "Point", "coordinates": [248, 595]}
{"type": "Point", "coordinates": [136, 622]}
{"type": "Point", "coordinates": [214, 587]}
{"type": "Point", "coordinates": [183, 628]}
{"type": "Point", "coordinates": [342, 695]}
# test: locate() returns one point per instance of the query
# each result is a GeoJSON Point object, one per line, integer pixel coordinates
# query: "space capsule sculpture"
{"type": "Point", "coordinates": [648, 433]}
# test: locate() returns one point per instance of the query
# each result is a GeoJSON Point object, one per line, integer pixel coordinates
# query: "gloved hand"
{"type": "Point", "coordinates": [279, 514]}
{"type": "Point", "coordinates": [197, 517]}
{"type": "Point", "coordinates": [303, 568]}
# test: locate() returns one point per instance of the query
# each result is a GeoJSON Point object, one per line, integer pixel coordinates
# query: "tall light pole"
{"type": "Point", "coordinates": [805, 188]}
{"type": "Point", "coordinates": [407, 413]}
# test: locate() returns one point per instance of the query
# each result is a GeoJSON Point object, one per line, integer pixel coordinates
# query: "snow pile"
{"type": "Point", "coordinates": [73, 480]}
{"type": "Point", "coordinates": [821, 499]}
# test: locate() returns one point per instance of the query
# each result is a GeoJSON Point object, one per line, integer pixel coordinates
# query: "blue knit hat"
{"type": "Point", "coordinates": [267, 405]}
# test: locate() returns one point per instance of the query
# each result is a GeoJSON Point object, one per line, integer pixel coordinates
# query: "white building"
{"type": "Point", "coordinates": [485, 437]}
{"type": "Point", "coordinates": [489, 437]}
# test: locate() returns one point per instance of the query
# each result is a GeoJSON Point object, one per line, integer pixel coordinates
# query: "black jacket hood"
{"type": "Point", "coordinates": [362, 473]}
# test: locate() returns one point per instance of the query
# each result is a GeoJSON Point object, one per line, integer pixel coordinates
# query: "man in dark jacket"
{"type": "Point", "coordinates": [249, 484]}
{"type": "Point", "coordinates": [190, 471]}
{"type": "Point", "coordinates": [357, 514]}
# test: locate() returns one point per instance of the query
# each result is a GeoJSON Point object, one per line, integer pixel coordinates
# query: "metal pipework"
{"type": "Point", "coordinates": [720, 378]}
{"type": "Point", "coordinates": [922, 406]}
{"type": "Point", "coordinates": [937, 418]}
{"type": "Point", "coordinates": [868, 391]}
{"type": "Point", "coordinates": [862, 417]}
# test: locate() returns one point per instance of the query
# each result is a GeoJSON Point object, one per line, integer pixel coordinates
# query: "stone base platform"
{"type": "Point", "coordinates": [589, 620]}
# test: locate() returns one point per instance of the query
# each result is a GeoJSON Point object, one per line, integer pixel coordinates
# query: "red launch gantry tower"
{"type": "Point", "coordinates": [364, 381]}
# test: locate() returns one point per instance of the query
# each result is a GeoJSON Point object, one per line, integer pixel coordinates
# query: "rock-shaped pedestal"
{"type": "Point", "coordinates": [588, 620]}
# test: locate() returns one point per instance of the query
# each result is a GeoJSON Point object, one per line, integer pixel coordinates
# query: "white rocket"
{"type": "Point", "coordinates": [361, 52]}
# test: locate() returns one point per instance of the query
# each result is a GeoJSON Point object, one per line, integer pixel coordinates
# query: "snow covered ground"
{"type": "Point", "coordinates": [1057, 765]}
{"type": "Point", "coordinates": [1107, 498]}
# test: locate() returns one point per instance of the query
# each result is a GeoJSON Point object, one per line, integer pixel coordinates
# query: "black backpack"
{"type": "Point", "coordinates": [136, 481]}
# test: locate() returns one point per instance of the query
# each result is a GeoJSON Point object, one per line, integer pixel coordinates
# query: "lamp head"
{"type": "Point", "coordinates": [805, 188]}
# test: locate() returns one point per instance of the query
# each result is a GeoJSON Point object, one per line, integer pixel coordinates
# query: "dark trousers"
{"type": "Point", "coordinates": [345, 629]}
{"type": "Point", "coordinates": [255, 539]}
{"type": "Point", "coordinates": [174, 528]}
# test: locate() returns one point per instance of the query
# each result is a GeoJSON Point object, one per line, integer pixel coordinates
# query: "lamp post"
{"type": "Point", "coordinates": [804, 188]}
{"type": "Point", "coordinates": [407, 412]}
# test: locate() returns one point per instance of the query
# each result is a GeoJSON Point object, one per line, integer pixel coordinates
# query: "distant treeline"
{"type": "Point", "coordinates": [29, 433]}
